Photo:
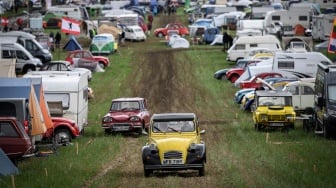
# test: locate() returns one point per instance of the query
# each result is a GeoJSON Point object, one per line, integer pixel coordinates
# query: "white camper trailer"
{"type": "Point", "coordinates": [70, 90]}
{"type": "Point", "coordinates": [243, 45]}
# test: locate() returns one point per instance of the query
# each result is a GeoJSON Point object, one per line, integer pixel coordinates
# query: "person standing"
{"type": "Point", "coordinates": [58, 39]}
{"type": "Point", "coordinates": [149, 28]}
{"type": "Point", "coordinates": [225, 41]}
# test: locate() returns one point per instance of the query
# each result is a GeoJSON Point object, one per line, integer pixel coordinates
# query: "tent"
{"type": "Point", "coordinates": [179, 42]}
{"type": "Point", "coordinates": [7, 166]}
{"type": "Point", "coordinates": [23, 88]}
{"type": "Point", "coordinates": [72, 44]}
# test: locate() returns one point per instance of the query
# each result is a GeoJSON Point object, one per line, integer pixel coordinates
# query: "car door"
{"type": "Point", "coordinates": [306, 97]}
{"type": "Point", "coordinates": [295, 90]}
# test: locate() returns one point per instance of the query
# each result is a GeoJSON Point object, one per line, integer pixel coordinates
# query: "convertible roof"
{"type": "Point", "coordinates": [173, 116]}
{"type": "Point", "coordinates": [270, 93]}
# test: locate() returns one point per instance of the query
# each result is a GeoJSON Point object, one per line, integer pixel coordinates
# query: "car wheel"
{"type": "Point", "coordinates": [223, 77]}
{"type": "Point", "coordinates": [233, 78]}
{"type": "Point", "coordinates": [147, 173]}
{"type": "Point", "coordinates": [102, 65]}
{"type": "Point", "coordinates": [160, 35]}
{"type": "Point", "coordinates": [62, 136]}
{"type": "Point", "coordinates": [201, 171]}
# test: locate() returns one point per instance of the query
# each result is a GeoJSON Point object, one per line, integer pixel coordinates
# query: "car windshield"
{"type": "Point", "coordinates": [125, 105]}
{"type": "Point", "coordinates": [173, 126]}
{"type": "Point", "coordinates": [275, 101]}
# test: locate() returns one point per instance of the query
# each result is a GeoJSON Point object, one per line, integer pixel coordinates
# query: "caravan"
{"type": "Point", "coordinates": [66, 95]}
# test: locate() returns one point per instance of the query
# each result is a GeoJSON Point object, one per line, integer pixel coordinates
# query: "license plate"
{"type": "Point", "coordinates": [121, 128]}
{"type": "Point", "coordinates": [276, 124]}
{"type": "Point", "coordinates": [172, 161]}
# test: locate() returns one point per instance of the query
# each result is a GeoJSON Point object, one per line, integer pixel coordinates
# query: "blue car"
{"type": "Point", "coordinates": [241, 93]}
{"type": "Point", "coordinates": [210, 34]}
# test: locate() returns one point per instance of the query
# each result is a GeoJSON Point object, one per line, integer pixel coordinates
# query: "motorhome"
{"type": "Point", "coordinates": [322, 26]}
{"type": "Point", "coordinates": [25, 62]}
{"type": "Point", "coordinates": [243, 45]}
{"type": "Point", "coordinates": [246, 24]}
{"type": "Point", "coordinates": [325, 100]}
{"type": "Point", "coordinates": [71, 11]}
{"type": "Point", "coordinates": [69, 91]}
{"type": "Point", "coordinates": [287, 20]}
{"type": "Point", "coordinates": [227, 19]}
{"type": "Point", "coordinates": [29, 42]}
{"type": "Point", "coordinates": [214, 9]}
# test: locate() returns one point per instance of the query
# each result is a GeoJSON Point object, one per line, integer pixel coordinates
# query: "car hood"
{"type": "Point", "coordinates": [174, 143]}
{"type": "Point", "coordinates": [122, 116]}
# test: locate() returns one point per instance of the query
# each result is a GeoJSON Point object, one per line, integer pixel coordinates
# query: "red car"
{"type": "Point", "coordinates": [127, 115]}
{"type": "Point", "coordinates": [87, 56]}
{"type": "Point", "coordinates": [63, 131]}
{"type": "Point", "coordinates": [14, 140]}
{"type": "Point", "coordinates": [182, 30]}
{"type": "Point", "coordinates": [233, 74]}
{"type": "Point", "coordinates": [252, 83]}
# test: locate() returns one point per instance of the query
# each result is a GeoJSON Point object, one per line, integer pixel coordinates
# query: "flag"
{"type": "Point", "coordinates": [70, 26]}
{"type": "Point", "coordinates": [332, 39]}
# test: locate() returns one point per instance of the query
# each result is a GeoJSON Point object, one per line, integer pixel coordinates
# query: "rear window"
{"type": "Point", "coordinates": [7, 129]}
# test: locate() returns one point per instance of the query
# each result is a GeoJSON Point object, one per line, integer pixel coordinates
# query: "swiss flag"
{"type": "Point", "coordinates": [70, 26]}
{"type": "Point", "coordinates": [4, 21]}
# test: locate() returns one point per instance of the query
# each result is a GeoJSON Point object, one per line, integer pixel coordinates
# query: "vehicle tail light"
{"type": "Point", "coordinates": [26, 125]}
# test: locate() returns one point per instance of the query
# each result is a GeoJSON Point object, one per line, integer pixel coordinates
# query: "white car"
{"type": "Point", "coordinates": [134, 33]}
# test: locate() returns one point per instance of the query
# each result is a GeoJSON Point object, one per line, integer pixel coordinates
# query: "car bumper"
{"type": "Point", "coordinates": [122, 127]}
{"type": "Point", "coordinates": [173, 167]}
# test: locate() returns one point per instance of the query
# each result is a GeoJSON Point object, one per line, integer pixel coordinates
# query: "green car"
{"type": "Point", "coordinates": [103, 44]}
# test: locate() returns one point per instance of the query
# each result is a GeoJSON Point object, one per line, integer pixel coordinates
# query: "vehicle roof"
{"type": "Point", "coordinates": [128, 99]}
{"type": "Point", "coordinates": [311, 84]}
{"type": "Point", "coordinates": [270, 93]}
{"type": "Point", "coordinates": [173, 116]}
{"type": "Point", "coordinates": [59, 61]}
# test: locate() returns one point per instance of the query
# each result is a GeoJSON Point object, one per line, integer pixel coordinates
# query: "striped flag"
{"type": "Point", "coordinates": [332, 39]}
{"type": "Point", "coordinates": [70, 26]}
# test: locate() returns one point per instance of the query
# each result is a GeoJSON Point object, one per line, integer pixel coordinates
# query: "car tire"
{"type": "Point", "coordinates": [160, 35]}
{"type": "Point", "coordinates": [62, 136]}
{"type": "Point", "coordinates": [201, 171]}
{"type": "Point", "coordinates": [102, 65]}
{"type": "Point", "coordinates": [147, 173]}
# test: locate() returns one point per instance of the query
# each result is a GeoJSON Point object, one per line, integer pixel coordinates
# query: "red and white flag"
{"type": "Point", "coordinates": [70, 26]}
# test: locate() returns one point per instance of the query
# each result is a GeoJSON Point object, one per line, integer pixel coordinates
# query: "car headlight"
{"type": "Point", "coordinates": [263, 117]}
{"type": "Point", "coordinates": [192, 147]}
{"type": "Point", "coordinates": [289, 117]}
{"type": "Point", "coordinates": [153, 148]}
{"type": "Point", "coordinates": [134, 118]}
{"type": "Point", "coordinates": [107, 119]}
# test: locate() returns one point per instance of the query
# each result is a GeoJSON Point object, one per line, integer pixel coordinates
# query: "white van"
{"type": "Point", "coordinates": [243, 45]}
{"type": "Point", "coordinates": [25, 62]}
{"type": "Point", "coordinates": [29, 42]}
{"type": "Point", "coordinates": [70, 91]}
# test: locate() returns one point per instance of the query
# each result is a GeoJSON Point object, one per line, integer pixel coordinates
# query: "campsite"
{"type": "Point", "coordinates": [177, 80]}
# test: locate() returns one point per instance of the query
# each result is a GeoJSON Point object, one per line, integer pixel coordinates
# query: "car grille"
{"type": "Point", "coordinates": [173, 155]}
{"type": "Point", "coordinates": [121, 124]}
{"type": "Point", "coordinates": [276, 118]}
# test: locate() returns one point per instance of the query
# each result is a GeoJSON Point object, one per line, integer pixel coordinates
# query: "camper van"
{"type": "Point", "coordinates": [29, 42]}
{"type": "Point", "coordinates": [25, 62]}
{"type": "Point", "coordinates": [287, 20]}
{"type": "Point", "coordinates": [66, 95]}
{"type": "Point", "coordinates": [243, 45]}
{"type": "Point", "coordinates": [303, 63]}
{"type": "Point", "coordinates": [71, 11]}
